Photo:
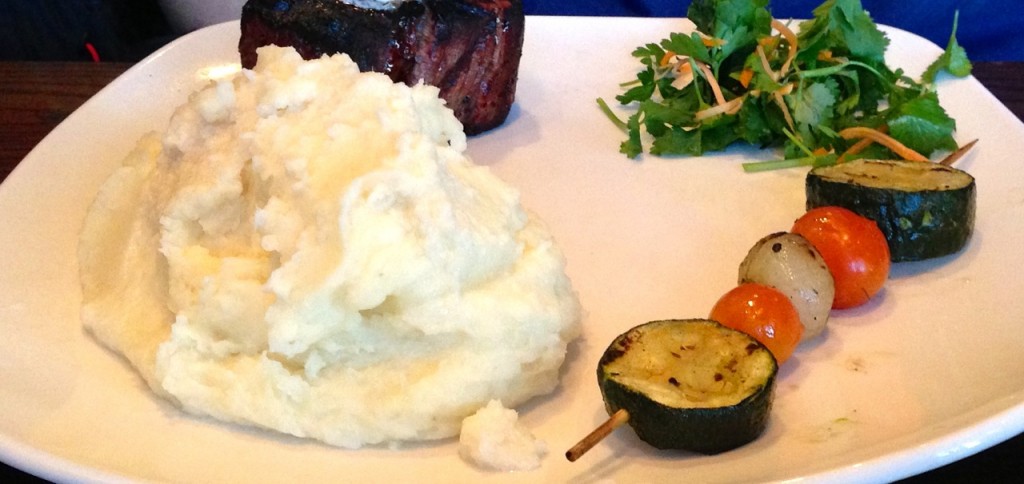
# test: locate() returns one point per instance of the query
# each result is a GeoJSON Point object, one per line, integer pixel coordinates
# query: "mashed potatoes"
{"type": "Point", "coordinates": [307, 249]}
{"type": "Point", "coordinates": [493, 438]}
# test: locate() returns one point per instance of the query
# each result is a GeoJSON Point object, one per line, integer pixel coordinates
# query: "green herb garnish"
{"type": "Point", "coordinates": [743, 76]}
{"type": "Point", "coordinates": [953, 60]}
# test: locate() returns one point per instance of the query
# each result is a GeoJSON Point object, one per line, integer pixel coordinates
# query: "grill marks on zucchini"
{"type": "Point", "coordinates": [925, 210]}
{"type": "Point", "coordinates": [689, 384]}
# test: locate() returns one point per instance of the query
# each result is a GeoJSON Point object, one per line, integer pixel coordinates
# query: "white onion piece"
{"type": "Point", "coordinates": [790, 264]}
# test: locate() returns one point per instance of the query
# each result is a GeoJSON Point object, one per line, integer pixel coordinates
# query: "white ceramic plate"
{"type": "Point", "coordinates": [926, 374]}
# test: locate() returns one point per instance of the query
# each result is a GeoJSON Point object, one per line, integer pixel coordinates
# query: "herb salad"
{"type": "Point", "coordinates": [820, 90]}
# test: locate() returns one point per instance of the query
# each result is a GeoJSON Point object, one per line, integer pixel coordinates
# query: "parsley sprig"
{"type": "Point", "coordinates": [744, 76]}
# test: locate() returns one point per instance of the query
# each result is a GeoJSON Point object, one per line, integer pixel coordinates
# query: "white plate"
{"type": "Point", "coordinates": [926, 374]}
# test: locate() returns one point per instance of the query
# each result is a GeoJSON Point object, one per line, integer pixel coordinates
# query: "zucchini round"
{"type": "Point", "coordinates": [924, 209]}
{"type": "Point", "coordinates": [689, 384]}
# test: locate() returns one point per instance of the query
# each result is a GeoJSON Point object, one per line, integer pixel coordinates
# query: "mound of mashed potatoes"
{"type": "Point", "coordinates": [307, 249]}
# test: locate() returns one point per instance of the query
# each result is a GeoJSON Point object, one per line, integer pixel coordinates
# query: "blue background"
{"type": "Point", "coordinates": [989, 30]}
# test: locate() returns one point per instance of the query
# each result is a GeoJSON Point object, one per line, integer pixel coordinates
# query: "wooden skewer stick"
{"type": "Point", "coordinates": [617, 419]}
{"type": "Point", "coordinates": [949, 160]}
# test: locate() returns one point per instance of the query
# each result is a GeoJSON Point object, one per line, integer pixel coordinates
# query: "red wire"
{"type": "Point", "coordinates": [92, 52]}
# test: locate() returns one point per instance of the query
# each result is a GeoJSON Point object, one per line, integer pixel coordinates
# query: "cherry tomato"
{"type": "Point", "coordinates": [764, 313]}
{"type": "Point", "coordinates": [854, 250]}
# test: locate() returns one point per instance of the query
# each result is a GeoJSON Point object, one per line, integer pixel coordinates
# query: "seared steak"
{"type": "Point", "coordinates": [469, 49]}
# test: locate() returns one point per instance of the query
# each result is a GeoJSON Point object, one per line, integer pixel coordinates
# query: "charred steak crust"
{"type": "Point", "coordinates": [469, 49]}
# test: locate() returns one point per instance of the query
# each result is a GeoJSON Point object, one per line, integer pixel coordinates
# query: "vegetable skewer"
{"type": "Point", "coordinates": [615, 421]}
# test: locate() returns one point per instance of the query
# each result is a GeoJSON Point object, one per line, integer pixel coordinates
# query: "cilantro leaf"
{"type": "Point", "coordinates": [717, 17]}
{"type": "Point", "coordinates": [922, 125]}
{"type": "Point", "coordinates": [953, 60]}
{"type": "Point", "coordinates": [761, 79]}
{"type": "Point", "coordinates": [632, 146]}
{"type": "Point", "coordinates": [798, 101]}
{"type": "Point", "coordinates": [812, 106]}
{"type": "Point", "coordinates": [735, 25]}
{"type": "Point", "coordinates": [678, 141]}
{"type": "Point", "coordinates": [691, 46]}
{"type": "Point", "coordinates": [755, 125]}
{"type": "Point", "coordinates": [844, 28]}
{"type": "Point", "coordinates": [641, 92]}
{"type": "Point", "coordinates": [675, 111]}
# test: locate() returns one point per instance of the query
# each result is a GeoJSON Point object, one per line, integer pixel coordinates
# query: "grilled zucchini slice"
{"type": "Point", "coordinates": [924, 209]}
{"type": "Point", "coordinates": [689, 384]}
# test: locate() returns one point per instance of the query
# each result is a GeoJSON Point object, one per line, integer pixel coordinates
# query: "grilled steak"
{"type": "Point", "coordinates": [469, 49]}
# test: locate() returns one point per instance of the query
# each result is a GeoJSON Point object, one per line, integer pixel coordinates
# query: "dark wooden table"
{"type": "Point", "coordinates": [35, 97]}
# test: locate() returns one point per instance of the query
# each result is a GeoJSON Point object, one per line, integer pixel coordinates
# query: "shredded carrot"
{"type": "Point", "coordinates": [746, 75]}
{"type": "Point", "coordinates": [665, 59]}
{"type": "Point", "coordinates": [709, 41]}
{"type": "Point", "coordinates": [791, 39]}
{"type": "Point", "coordinates": [731, 107]}
{"type": "Point", "coordinates": [884, 140]}
{"type": "Point", "coordinates": [854, 149]}
{"type": "Point", "coordinates": [715, 88]}
{"type": "Point", "coordinates": [768, 42]}
{"type": "Point", "coordinates": [820, 151]}
{"type": "Point", "coordinates": [860, 145]}
{"type": "Point", "coordinates": [781, 103]}
{"type": "Point", "coordinates": [825, 55]}
{"type": "Point", "coordinates": [765, 65]}
{"type": "Point", "coordinates": [684, 75]}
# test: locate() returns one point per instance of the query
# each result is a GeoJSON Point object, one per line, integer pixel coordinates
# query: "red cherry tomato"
{"type": "Point", "coordinates": [854, 250]}
{"type": "Point", "coordinates": [765, 314]}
